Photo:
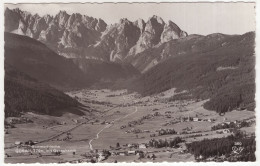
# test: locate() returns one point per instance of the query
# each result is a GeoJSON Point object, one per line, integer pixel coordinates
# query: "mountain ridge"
{"type": "Point", "coordinates": [81, 36]}
{"type": "Point", "coordinates": [221, 69]}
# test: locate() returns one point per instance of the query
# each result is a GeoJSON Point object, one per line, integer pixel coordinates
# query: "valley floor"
{"type": "Point", "coordinates": [120, 123]}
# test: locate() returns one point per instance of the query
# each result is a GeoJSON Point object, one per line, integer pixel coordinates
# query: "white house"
{"type": "Point", "coordinates": [18, 143]}
{"type": "Point", "coordinates": [195, 119]}
{"type": "Point", "coordinates": [121, 153]}
{"type": "Point", "coordinates": [142, 146]}
{"type": "Point", "coordinates": [131, 152]}
{"type": "Point", "coordinates": [227, 123]}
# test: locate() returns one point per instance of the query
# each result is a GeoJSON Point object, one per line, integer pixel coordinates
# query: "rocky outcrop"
{"type": "Point", "coordinates": [101, 25]}
{"type": "Point", "coordinates": [172, 31]}
{"type": "Point", "coordinates": [150, 36]}
{"type": "Point", "coordinates": [140, 24]}
{"type": "Point", "coordinates": [127, 39]}
{"type": "Point", "coordinates": [153, 31]}
{"type": "Point", "coordinates": [118, 39]}
{"type": "Point", "coordinates": [61, 19]}
{"type": "Point", "coordinates": [50, 35]}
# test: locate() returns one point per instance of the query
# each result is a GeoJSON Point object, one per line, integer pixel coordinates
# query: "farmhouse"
{"type": "Point", "coordinates": [195, 119]}
{"type": "Point", "coordinates": [18, 143]}
{"type": "Point", "coordinates": [121, 153]}
{"type": "Point", "coordinates": [142, 146]}
{"type": "Point", "coordinates": [131, 152]}
{"type": "Point", "coordinates": [211, 120]}
{"type": "Point", "coordinates": [228, 123]}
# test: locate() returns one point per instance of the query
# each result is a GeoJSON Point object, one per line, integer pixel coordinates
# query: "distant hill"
{"type": "Point", "coordinates": [38, 61]}
{"type": "Point", "coordinates": [192, 44]}
{"type": "Point", "coordinates": [216, 67]}
{"type": "Point", "coordinates": [25, 94]}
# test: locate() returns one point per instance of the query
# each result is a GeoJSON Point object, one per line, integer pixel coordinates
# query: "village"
{"type": "Point", "coordinates": [122, 127]}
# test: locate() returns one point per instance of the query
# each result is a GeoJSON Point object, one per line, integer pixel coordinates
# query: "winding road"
{"type": "Point", "coordinates": [109, 125]}
{"type": "Point", "coordinates": [97, 136]}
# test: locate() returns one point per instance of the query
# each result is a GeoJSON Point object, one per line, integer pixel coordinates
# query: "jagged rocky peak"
{"type": "Point", "coordinates": [77, 35]}
{"type": "Point", "coordinates": [119, 38]}
{"type": "Point", "coordinates": [141, 24]}
{"type": "Point", "coordinates": [101, 25]}
{"type": "Point", "coordinates": [155, 32]}
{"type": "Point", "coordinates": [157, 18]}
{"type": "Point", "coordinates": [50, 35]}
{"type": "Point", "coordinates": [153, 29]}
{"type": "Point", "coordinates": [123, 21]}
{"type": "Point", "coordinates": [61, 18]}
{"type": "Point", "coordinates": [150, 36]}
{"type": "Point", "coordinates": [48, 18]}
{"type": "Point", "coordinates": [58, 32]}
{"type": "Point", "coordinates": [172, 31]}
{"type": "Point", "coordinates": [93, 23]}
{"type": "Point", "coordinates": [39, 25]}
{"type": "Point", "coordinates": [73, 20]}
{"type": "Point", "coordinates": [155, 25]}
{"type": "Point", "coordinates": [127, 27]}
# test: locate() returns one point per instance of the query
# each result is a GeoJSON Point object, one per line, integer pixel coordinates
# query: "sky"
{"type": "Point", "coordinates": [194, 18]}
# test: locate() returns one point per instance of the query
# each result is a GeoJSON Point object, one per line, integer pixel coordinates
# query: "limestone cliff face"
{"type": "Point", "coordinates": [172, 31]}
{"type": "Point", "coordinates": [81, 36]}
{"type": "Point", "coordinates": [150, 36]}
{"type": "Point", "coordinates": [118, 39]}
{"type": "Point", "coordinates": [66, 34]}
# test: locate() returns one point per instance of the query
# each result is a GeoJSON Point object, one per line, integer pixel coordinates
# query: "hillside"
{"type": "Point", "coordinates": [102, 70]}
{"type": "Point", "coordinates": [38, 61]}
{"type": "Point", "coordinates": [25, 94]}
{"type": "Point", "coordinates": [220, 69]}
{"type": "Point", "coordinates": [192, 44]}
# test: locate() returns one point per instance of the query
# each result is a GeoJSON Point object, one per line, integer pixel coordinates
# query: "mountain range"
{"type": "Point", "coordinates": [77, 51]}
{"type": "Point", "coordinates": [35, 77]}
{"type": "Point", "coordinates": [81, 36]}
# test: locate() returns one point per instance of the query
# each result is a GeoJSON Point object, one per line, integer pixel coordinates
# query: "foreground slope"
{"type": "Point", "coordinates": [25, 94]}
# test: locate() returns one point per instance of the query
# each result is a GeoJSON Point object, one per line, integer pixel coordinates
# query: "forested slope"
{"type": "Point", "coordinates": [25, 94]}
{"type": "Point", "coordinates": [225, 73]}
